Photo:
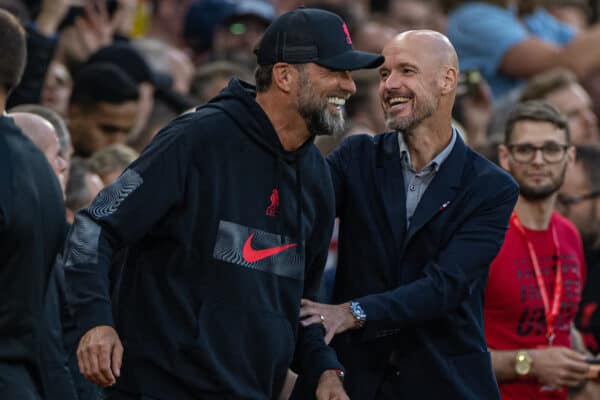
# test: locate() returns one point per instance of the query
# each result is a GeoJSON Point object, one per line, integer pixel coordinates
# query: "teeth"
{"type": "Point", "coordinates": [398, 100]}
{"type": "Point", "coordinates": [338, 101]}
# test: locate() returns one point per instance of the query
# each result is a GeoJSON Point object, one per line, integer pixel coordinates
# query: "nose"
{"type": "Point", "coordinates": [347, 83]}
{"type": "Point", "coordinates": [591, 120]}
{"type": "Point", "coordinates": [391, 81]}
{"type": "Point", "coordinates": [538, 158]}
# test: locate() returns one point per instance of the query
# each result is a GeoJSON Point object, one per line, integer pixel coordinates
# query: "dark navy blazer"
{"type": "Point", "coordinates": [422, 287]}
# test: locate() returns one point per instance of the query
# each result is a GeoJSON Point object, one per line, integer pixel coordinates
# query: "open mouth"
{"type": "Point", "coordinates": [394, 101]}
{"type": "Point", "coordinates": [338, 102]}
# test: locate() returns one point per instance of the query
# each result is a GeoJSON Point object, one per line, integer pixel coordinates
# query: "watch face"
{"type": "Point", "coordinates": [523, 363]}
{"type": "Point", "coordinates": [522, 368]}
{"type": "Point", "coordinates": [357, 311]}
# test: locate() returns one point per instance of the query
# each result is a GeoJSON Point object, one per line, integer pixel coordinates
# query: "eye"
{"type": "Point", "coordinates": [524, 148]}
{"type": "Point", "coordinates": [552, 148]}
{"type": "Point", "coordinates": [383, 75]}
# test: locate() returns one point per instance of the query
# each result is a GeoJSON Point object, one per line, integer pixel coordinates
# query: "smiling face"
{"type": "Point", "coordinates": [418, 71]}
{"type": "Point", "coordinates": [322, 94]}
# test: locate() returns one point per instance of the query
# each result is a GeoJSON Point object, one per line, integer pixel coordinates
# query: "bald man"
{"type": "Point", "coordinates": [421, 218]}
{"type": "Point", "coordinates": [44, 137]}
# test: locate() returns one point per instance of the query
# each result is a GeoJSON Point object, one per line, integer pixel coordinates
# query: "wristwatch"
{"type": "Point", "coordinates": [523, 363]}
{"type": "Point", "coordinates": [358, 313]}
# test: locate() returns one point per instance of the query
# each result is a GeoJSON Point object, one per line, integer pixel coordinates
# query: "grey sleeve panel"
{"type": "Point", "coordinates": [82, 247]}
{"type": "Point", "coordinates": [111, 197]}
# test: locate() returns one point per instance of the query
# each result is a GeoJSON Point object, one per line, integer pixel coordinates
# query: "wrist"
{"type": "Point", "coordinates": [333, 374]}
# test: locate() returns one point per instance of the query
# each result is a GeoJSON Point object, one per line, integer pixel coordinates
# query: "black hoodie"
{"type": "Point", "coordinates": [225, 231]}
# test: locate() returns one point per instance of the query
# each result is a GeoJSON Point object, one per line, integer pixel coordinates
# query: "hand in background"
{"type": "Point", "coordinates": [559, 366]}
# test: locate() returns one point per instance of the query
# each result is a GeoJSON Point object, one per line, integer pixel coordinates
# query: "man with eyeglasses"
{"type": "Point", "coordinates": [579, 200]}
{"type": "Point", "coordinates": [530, 304]}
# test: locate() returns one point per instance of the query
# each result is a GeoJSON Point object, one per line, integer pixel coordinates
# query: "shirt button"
{"type": "Point", "coordinates": [412, 188]}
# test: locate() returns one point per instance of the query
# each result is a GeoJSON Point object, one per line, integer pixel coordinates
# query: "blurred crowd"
{"type": "Point", "coordinates": [104, 76]}
{"type": "Point", "coordinates": [116, 71]}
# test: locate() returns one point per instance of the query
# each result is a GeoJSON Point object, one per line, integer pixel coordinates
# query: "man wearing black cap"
{"type": "Point", "coordinates": [226, 218]}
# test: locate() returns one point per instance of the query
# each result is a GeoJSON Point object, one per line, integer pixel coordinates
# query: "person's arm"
{"type": "Point", "coordinates": [459, 267]}
{"type": "Point", "coordinates": [532, 56]}
{"type": "Point", "coordinates": [551, 366]}
{"type": "Point", "coordinates": [445, 283]}
{"type": "Point", "coordinates": [122, 213]}
{"type": "Point", "coordinates": [41, 46]}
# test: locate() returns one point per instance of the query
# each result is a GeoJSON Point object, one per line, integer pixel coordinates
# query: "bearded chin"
{"type": "Point", "coordinates": [324, 123]}
{"type": "Point", "coordinates": [538, 194]}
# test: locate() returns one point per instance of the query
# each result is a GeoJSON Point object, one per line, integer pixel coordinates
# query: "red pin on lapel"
{"type": "Point", "coordinates": [443, 206]}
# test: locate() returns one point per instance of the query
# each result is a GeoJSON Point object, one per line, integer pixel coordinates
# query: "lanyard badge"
{"type": "Point", "coordinates": [551, 311]}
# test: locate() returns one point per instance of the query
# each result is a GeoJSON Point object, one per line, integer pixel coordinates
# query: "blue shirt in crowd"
{"type": "Point", "coordinates": [482, 34]}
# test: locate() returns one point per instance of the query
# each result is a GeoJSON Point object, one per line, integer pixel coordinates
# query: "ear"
{"type": "Point", "coordinates": [285, 77]}
{"type": "Point", "coordinates": [503, 156]}
{"type": "Point", "coordinates": [449, 80]}
{"type": "Point", "coordinates": [571, 155]}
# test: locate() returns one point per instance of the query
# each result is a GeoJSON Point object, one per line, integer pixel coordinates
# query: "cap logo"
{"type": "Point", "coordinates": [347, 33]}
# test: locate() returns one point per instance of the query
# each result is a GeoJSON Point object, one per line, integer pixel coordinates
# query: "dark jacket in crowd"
{"type": "Point", "coordinates": [32, 225]}
{"type": "Point", "coordinates": [225, 232]}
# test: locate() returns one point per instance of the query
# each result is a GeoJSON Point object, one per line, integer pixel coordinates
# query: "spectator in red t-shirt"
{"type": "Point", "coordinates": [530, 304]}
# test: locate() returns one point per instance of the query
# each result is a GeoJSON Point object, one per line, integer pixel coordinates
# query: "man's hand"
{"type": "Point", "coordinates": [559, 366]}
{"type": "Point", "coordinates": [330, 387]}
{"type": "Point", "coordinates": [99, 355]}
{"type": "Point", "coordinates": [335, 318]}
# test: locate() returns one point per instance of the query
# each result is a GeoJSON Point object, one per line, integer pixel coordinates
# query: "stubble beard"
{"type": "Point", "coordinates": [539, 193]}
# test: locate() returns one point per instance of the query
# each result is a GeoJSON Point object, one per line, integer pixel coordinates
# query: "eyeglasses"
{"type": "Point", "coordinates": [526, 152]}
{"type": "Point", "coordinates": [568, 200]}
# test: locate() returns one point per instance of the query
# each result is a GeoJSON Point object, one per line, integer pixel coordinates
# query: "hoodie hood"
{"type": "Point", "coordinates": [238, 101]}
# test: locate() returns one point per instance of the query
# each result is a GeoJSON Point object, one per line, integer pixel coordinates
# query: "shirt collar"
{"type": "Point", "coordinates": [434, 164]}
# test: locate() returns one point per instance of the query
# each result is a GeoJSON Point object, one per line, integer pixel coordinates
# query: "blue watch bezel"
{"type": "Point", "coordinates": [358, 312]}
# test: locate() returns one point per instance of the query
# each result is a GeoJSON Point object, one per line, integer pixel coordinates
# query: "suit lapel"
{"type": "Point", "coordinates": [442, 190]}
{"type": "Point", "coordinates": [390, 184]}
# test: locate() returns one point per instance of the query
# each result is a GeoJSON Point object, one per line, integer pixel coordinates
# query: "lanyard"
{"type": "Point", "coordinates": [551, 312]}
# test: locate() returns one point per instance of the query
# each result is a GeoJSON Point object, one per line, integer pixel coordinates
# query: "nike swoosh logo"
{"type": "Point", "coordinates": [252, 255]}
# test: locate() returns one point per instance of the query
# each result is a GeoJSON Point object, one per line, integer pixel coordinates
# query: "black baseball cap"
{"type": "Point", "coordinates": [307, 35]}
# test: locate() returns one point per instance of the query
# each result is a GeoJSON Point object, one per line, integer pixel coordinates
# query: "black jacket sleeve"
{"type": "Point", "coordinates": [122, 214]}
